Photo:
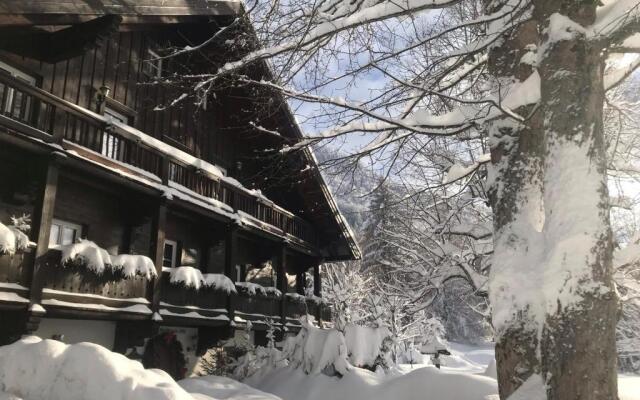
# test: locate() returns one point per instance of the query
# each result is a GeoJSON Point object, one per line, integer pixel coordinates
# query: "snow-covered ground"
{"type": "Point", "coordinates": [468, 374]}
{"type": "Point", "coordinates": [35, 369]}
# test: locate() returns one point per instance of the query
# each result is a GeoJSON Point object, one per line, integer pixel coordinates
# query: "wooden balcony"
{"type": "Point", "coordinates": [187, 306]}
{"type": "Point", "coordinates": [256, 308]}
{"type": "Point", "coordinates": [34, 112]}
{"type": "Point", "coordinates": [15, 278]}
{"type": "Point", "coordinates": [73, 291]}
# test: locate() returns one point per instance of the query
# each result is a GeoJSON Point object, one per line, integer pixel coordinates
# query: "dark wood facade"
{"type": "Point", "coordinates": [63, 159]}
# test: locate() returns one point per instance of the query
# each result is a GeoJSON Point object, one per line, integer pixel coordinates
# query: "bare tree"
{"type": "Point", "coordinates": [525, 77]}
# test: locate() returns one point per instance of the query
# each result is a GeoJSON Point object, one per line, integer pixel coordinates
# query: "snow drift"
{"type": "Point", "coordinates": [218, 387]}
{"type": "Point", "coordinates": [36, 369]}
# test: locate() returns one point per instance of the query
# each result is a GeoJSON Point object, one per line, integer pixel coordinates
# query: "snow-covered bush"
{"type": "Point", "coordinates": [193, 278]}
{"type": "Point", "coordinates": [368, 347]}
{"type": "Point", "coordinates": [411, 355]}
{"type": "Point", "coordinates": [316, 350]}
{"type": "Point", "coordinates": [37, 369]}
{"type": "Point", "coordinates": [14, 237]}
{"type": "Point", "coordinates": [260, 360]}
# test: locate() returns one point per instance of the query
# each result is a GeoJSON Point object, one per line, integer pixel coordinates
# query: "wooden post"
{"type": "Point", "coordinates": [42, 219]}
{"type": "Point", "coordinates": [317, 282]}
{"type": "Point", "coordinates": [301, 282]}
{"type": "Point", "coordinates": [230, 260]}
{"type": "Point", "coordinates": [158, 226]}
{"type": "Point", "coordinates": [281, 280]}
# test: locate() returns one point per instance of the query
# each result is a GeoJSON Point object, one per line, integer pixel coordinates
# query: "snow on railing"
{"type": "Point", "coordinates": [253, 289]}
{"type": "Point", "coordinates": [93, 257]}
{"type": "Point", "coordinates": [12, 239]}
{"type": "Point", "coordinates": [192, 278]}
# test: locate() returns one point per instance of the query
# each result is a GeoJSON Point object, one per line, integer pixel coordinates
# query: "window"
{"type": "Point", "coordinates": [190, 257]}
{"type": "Point", "coordinates": [63, 232]}
{"type": "Point", "coordinates": [152, 66]}
{"type": "Point", "coordinates": [170, 250]}
{"type": "Point", "coordinates": [110, 143]}
{"type": "Point", "coordinates": [15, 103]}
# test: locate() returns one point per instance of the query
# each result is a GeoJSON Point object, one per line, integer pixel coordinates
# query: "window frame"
{"type": "Point", "coordinates": [62, 224]}
{"type": "Point", "coordinates": [7, 107]}
{"type": "Point", "coordinates": [174, 252]}
{"type": "Point", "coordinates": [152, 67]}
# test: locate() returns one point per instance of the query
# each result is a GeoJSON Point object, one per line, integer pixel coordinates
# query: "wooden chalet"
{"type": "Point", "coordinates": [87, 154]}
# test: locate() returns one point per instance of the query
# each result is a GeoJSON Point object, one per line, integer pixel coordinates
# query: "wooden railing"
{"type": "Point", "coordinates": [179, 295]}
{"type": "Point", "coordinates": [76, 280]}
{"type": "Point", "coordinates": [35, 112]}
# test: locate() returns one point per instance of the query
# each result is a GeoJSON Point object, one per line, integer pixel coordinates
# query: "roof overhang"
{"type": "Point", "coordinates": [65, 12]}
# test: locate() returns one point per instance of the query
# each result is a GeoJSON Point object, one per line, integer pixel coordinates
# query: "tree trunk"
{"type": "Point", "coordinates": [578, 349]}
{"type": "Point", "coordinates": [554, 305]}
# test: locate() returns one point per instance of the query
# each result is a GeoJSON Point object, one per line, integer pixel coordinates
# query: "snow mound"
{"type": "Point", "coordinates": [360, 384]}
{"type": "Point", "coordinates": [132, 265]}
{"type": "Point", "coordinates": [492, 370]}
{"type": "Point", "coordinates": [364, 343]}
{"type": "Point", "coordinates": [12, 239]}
{"type": "Point", "coordinates": [315, 350]}
{"type": "Point", "coordinates": [532, 389]}
{"type": "Point", "coordinates": [87, 253]}
{"type": "Point", "coordinates": [218, 387]}
{"type": "Point", "coordinates": [37, 369]}
{"type": "Point", "coordinates": [193, 278]}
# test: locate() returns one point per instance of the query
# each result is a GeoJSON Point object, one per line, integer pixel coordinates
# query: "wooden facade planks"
{"type": "Point", "coordinates": [118, 64]}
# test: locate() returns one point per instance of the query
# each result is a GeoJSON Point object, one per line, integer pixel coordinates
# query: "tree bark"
{"type": "Point", "coordinates": [550, 204]}
{"type": "Point", "coordinates": [578, 349]}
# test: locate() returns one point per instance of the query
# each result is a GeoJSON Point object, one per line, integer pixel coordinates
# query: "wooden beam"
{"type": "Point", "coordinates": [121, 7]}
{"type": "Point", "coordinates": [230, 260]}
{"type": "Point", "coordinates": [317, 280]}
{"type": "Point", "coordinates": [158, 227]}
{"type": "Point", "coordinates": [301, 283]}
{"type": "Point", "coordinates": [281, 280]}
{"type": "Point", "coordinates": [63, 44]}
{"type": "Point", "coordinates": [42, 219]}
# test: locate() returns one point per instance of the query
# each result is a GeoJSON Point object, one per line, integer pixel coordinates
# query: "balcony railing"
{"type": "Point", "coordinates": [35, 112]}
